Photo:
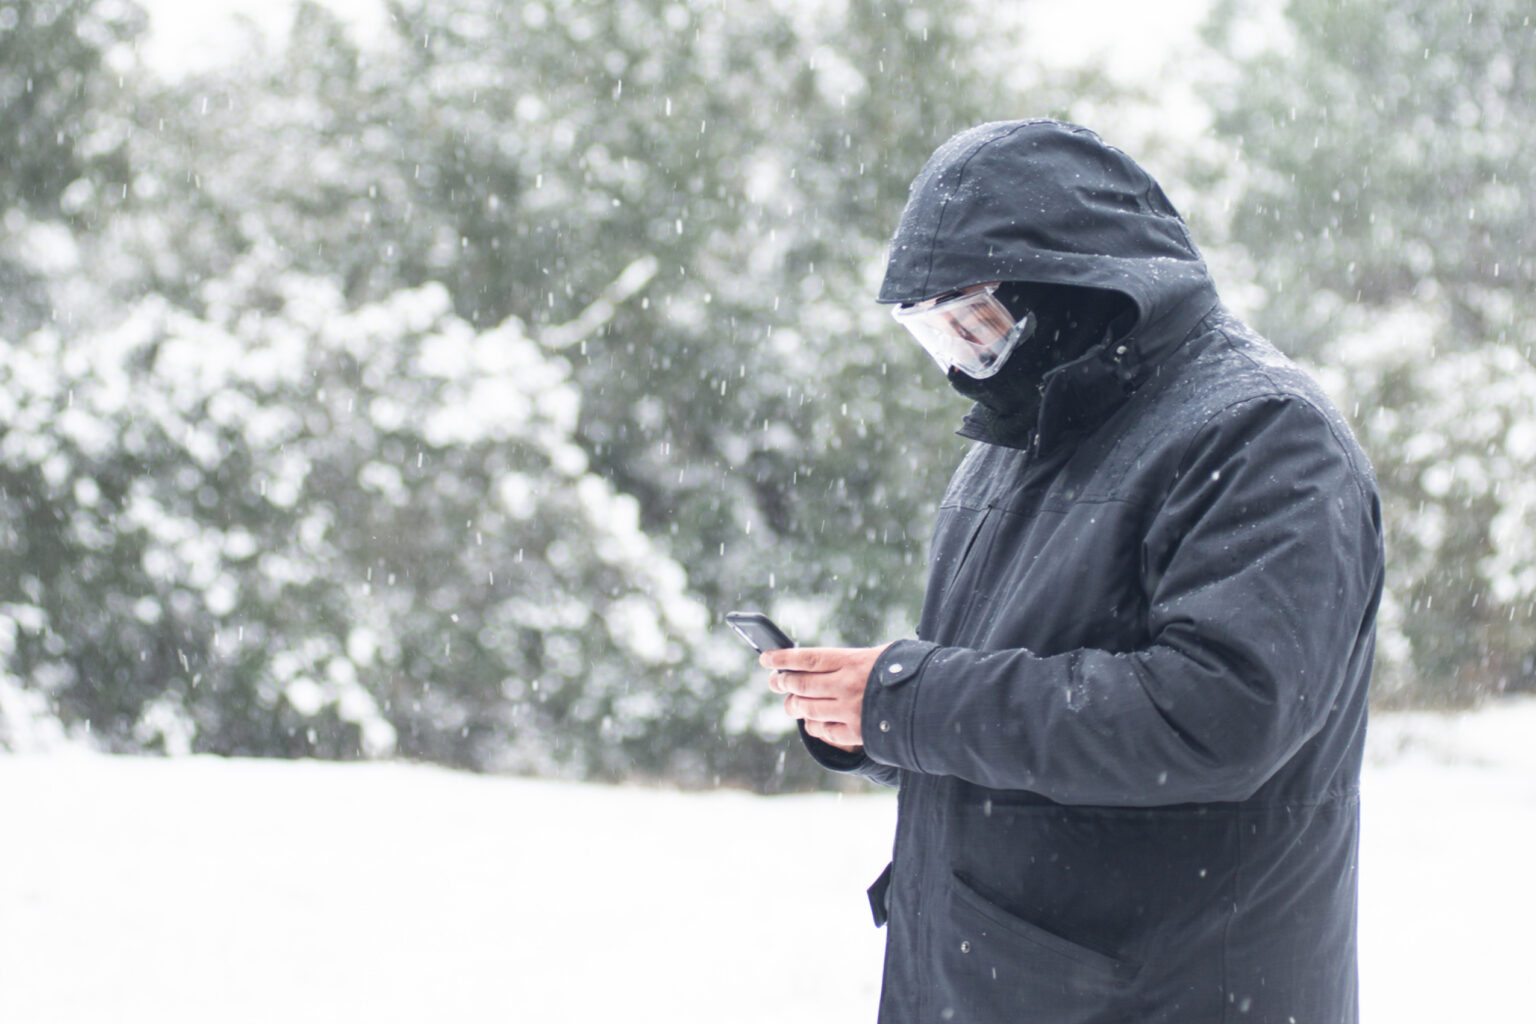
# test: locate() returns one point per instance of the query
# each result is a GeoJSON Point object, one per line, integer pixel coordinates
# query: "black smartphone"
{"type": "Point", "coordinates": [758, 630]}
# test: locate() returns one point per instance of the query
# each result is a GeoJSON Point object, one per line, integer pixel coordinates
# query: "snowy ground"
{"type": "Point", "coordinates": [208, 890]}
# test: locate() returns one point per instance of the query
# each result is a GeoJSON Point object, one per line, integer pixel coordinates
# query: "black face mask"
{"type": "Point", "coordinates": [1068, 322]}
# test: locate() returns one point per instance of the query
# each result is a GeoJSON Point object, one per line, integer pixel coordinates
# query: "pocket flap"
{"type": "Point", "coordinates": [879, 897]}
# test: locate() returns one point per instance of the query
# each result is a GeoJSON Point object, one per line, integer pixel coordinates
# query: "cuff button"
{"type": "Point", "coordinates": [885, 726]}
{"type": "Point", "coordinates": [895, 669]}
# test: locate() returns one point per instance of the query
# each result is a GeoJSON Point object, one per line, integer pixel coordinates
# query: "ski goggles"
{"type": "Point", "coordinates": [970, 331]}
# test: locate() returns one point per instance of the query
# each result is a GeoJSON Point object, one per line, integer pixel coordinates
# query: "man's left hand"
{"type": "Point", "coordinates": [824, 687]}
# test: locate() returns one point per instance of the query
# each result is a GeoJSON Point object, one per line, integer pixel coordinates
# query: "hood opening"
{"type": "Point", "coordinates": [1047, 203]}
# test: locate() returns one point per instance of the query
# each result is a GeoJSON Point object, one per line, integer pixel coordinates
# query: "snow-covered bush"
{"type": "Point", "coordinates": [288, 525]}
{"type": "Point", "coordinates": [1453, 436]}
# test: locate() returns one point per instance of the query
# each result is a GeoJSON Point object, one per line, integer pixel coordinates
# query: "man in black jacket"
{"type": "Point", "coordinates": [1128, 735]}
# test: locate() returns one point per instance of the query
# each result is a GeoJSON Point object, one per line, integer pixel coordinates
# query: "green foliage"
{"type": "Point", "coordinates": [1387, 154]}
{"type": "Point", "coordinates": [51, 63]}
{"type": "Point", "coordinates": [54, 75]}
{"type": "Point", "coordinates": [1391, 153]}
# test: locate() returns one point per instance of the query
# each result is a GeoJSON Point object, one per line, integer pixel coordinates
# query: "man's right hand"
{"type": "Point", "coordinates": [824, 688]}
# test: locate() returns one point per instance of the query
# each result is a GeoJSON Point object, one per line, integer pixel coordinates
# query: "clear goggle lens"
{"type": "Point", "coordinates": [972, 332]}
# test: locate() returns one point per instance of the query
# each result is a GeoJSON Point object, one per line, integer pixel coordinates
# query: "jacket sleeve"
{"type": "Point", "coordinates": [851, 762]}
{"type": "Point", "coordinates": [1261, 570]}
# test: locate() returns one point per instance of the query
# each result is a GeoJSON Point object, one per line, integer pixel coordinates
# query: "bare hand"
{"type": "Point", "coordinates": [824, 688]}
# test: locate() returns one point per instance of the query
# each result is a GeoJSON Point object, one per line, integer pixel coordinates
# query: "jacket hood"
{"type": "Point", "coordinates": [1050, 203]}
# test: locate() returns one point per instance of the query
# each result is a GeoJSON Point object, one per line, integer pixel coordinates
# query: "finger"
{"type": "Point", "coordinates": [816, 685]}
{"type": "Point", "coordinates": [777, 683]}
{"type": "Point", "coordinates": [838, 734]}
{"type": "Point", "coordinates": [811, 710]}
{"type": "Point", "coordinates": [807, 659]}
{"type": "Point", "coordinates": [841, 734]}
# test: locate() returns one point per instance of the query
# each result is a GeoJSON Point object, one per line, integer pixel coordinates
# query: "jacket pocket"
{"type": "Point", "coordinates": [996, 966]}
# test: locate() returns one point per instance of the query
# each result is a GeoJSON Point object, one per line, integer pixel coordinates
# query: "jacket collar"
{"type": "Point", "coordinates": [1079, 396]}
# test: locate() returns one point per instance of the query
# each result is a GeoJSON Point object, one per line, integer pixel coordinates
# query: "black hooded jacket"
{"type": "Point", "coordinates": [1128, 736]}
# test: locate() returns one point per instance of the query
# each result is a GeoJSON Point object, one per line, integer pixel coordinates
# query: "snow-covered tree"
{"type": "Point", "coordinates": [1457, 433]}
{"type": "Point", "coordinates": [56, 70]}
{"type": "Point", "coordinates": [1385, 164]}
{"type": "Point", "coordinates": [360, 532]}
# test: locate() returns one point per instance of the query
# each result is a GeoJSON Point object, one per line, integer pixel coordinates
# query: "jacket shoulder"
{"type": "Point", "coordinates": [1240, 366]}
{"type": "Point", "coordinates": [1228, 377]}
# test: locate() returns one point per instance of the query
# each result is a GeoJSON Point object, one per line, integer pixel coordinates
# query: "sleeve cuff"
{"type": "Point", "coordinates": [890, 702]}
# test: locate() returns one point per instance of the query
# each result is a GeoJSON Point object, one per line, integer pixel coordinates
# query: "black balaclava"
{"type": "Point", "coordinates": [1069, 320]}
